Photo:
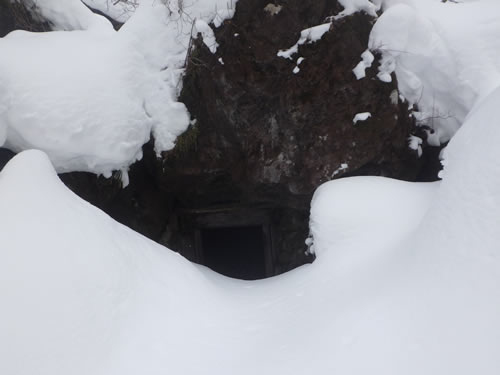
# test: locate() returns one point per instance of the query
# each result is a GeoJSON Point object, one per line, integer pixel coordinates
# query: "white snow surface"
{"type": "Point", "coordinates": [446, 56]}
{"type": "Point", "coordinates": [406, 279]}
{"type": "Point", "coordinates": [93, 96]}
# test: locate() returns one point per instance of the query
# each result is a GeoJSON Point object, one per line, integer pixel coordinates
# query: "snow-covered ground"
{"type": "Point", "coordinates": [406, 277]}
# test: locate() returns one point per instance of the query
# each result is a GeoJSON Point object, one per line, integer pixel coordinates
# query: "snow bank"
{"type": "Point", "coordinates": [82, 101]}
{"type": "Point", "coordinates": [82, 294]}
{"type": "Point", "coordinates": [427, 305]}
{"type": "Point", "coordinates": [406, 278]}
{"type": "Point", "coordinates": [445, 56]}
{"type": "Point", "coordinates": [73, 279]}
{"type": "Point", "coordinates": [94, 96]}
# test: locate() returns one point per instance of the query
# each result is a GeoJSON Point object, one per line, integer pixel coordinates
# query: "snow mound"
{"type": "Point", "coordinates": [82, 294]}
{"type": "Point", "coordinates": [94, 96]}
{"type": "Point", "coordinates": [82, 102]}
{"type": "Point", "coordinates": [428, 304]}
{"type": "Point", "coordinates": [446, 57]}
{"type": "Point", "coordinates": [69, 287]}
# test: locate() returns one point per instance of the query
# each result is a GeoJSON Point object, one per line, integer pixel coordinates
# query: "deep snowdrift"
{"type": "Point", "coordinates": [405, 282]}
{"type": "Point", "coordinates": [84, 295]}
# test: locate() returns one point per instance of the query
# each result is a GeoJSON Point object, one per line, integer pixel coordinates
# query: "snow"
{"type": "Point", "coordinates": [207, 34]}
{"type": "Point", "coordinates": [353, 6]}
{"type": "Point", "coordinates": [68, 15]}
{"type": "Point", "coordinates": [120, 11]}
{"type": "Point", "coordinates": [216, 11]}
{"type": "Point", "coordinates": [86, 295]}
{"type": "Point", "coordinates": [365, 63]}
{"type": "Point", "coordinates": [415, 143]}
{"type": "Point", "coordinates": [82, 102]}
{"type": "Point", "coordinates": [446, 57]}
{"type": "Point", "coordinates": [96, 95]}
{"type": "Point", "coordinates": [273, 9]}
{"type": "Point", "coordinates": [407, 274]}
{"type": "Point", "coordinates": [343, 167]}
{"type": "Point", "coordinates": [310, 35]}
{"type": "Point", "coordinates": [223, 14]}
{"type": "Point", "coordinates": [424, 298]}
{"type": "Point", "coordinates": [363, 116]}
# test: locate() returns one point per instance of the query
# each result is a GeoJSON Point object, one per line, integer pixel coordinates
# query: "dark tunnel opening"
{"type": "Point", "coordinates": [237, 252]}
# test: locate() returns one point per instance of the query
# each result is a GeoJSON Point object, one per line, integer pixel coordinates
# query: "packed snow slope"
{"type": "Point", "coordinates": [406, 282]}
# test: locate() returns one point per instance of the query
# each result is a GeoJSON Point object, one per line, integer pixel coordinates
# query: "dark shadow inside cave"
{"type": "Point", "coordinates": [237, 252]}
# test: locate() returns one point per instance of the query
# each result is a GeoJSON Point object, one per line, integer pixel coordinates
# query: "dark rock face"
{"type": "Point", "coordinates": [295, 130]}
{"type": "Point", "coordinates": [265, 138]}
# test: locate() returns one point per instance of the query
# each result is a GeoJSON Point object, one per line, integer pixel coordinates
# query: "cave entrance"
{"type": "Point", "coordinates": [233, 240]}
{"type": "Point", "coordinates": [237, 252]}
